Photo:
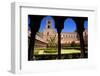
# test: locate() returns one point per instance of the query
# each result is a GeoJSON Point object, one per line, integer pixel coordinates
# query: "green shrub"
{"type": "Point", "coordinates": [50, 50]}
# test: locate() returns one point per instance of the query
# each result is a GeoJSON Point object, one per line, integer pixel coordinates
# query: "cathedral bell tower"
{"type": "Point", "coordinates": [49, 24]}
{"type": "Point", "coordinates": [48, 31]}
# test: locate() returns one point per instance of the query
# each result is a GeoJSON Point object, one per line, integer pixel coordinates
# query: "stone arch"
{"type": "Point", "coordinates": [70, 27]}
{"type": "Point", "coordinates": [80, 29]}
{"type": "Point", "coordinates": [47, 25]}
{"type": "Point", "coordinates": [34, 23]}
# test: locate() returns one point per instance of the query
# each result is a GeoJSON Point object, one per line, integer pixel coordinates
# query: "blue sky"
{"type": "Point", "coordinates": [69, 24]}
{"type": "Point", "coordinates": [86, 24]}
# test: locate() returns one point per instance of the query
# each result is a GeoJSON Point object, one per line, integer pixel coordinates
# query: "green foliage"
{"type": "Point", "coordinates": [51, 42]}
{"type": "Point", "coordinates": [73, 44]}
{"type": "Point", "coordinates": [50, 50]}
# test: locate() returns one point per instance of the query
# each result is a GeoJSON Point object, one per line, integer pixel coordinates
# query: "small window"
{"type": "Point", "coordinates": [48, 22]}
{"type": "Point", "coordinates": [48, 26]}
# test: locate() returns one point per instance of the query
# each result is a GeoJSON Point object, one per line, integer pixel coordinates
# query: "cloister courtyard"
{"type": "Point", "coordinates": [57, 40]}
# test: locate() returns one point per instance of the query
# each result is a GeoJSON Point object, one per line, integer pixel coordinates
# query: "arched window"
{"type": "Point", "coordinates": [48, 26]}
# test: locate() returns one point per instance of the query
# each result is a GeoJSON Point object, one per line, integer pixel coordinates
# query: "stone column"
{"type": "Point", "coordinates": [35, 21]}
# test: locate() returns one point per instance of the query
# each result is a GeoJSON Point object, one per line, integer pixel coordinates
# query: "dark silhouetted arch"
{"type": "Point", "coordinates": [34, 27]}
